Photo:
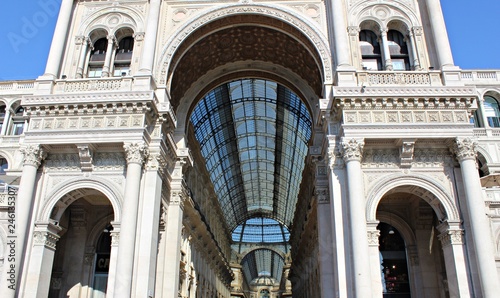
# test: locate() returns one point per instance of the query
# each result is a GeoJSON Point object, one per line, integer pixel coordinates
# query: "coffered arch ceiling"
{"type": "Point", "coordinates": [251, 37]}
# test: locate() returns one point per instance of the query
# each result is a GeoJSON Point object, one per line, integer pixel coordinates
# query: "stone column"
{"type": "Point", "coordinates": [6, 121]}
{"type": "Point", "coordinates": [149, 49]}
{"type": "Point", "coordinates": [357, 57]}
{"type": "Point", "coordinates": [113, 258]}
{"type": "Point", "coordinates": [150, 221]}
{"type": "Point", "coordinates": [482, 113]}
{"type": "Point", "coordinates": [451, 238]}
{"type": "Point", "coordinates": [440, 34]}
{"type": "Point", "coordinates": [479, 228]}
{"type": "Point", "coordinates": [361, 272]}
{"type": "Point", "coordinates": [386, 53]}
{"type": "Point", "coordinates": [109, 53]}
{"type": "Point", "coordinates": [325, 249]}
{"type": "Point", "coordinates": [413, 51]}
{"type": "Point", "coordinates": [33, 156]}
{"type": "Point", "coordinates": [59, 38]}
{"type": "Point", "coordinates": [338, 199]}
{"type": "Point", "coordinates": [173, 243]}
{"type": "Point", "coordinates": [373, 233]}
{"type": "Point", "coordinates": [84, 43]}
{"type": "Point", "coordinates": [135, 154]}
{"type": "Point", "coordinates": [341, 41]}
{"type": "Point", "coordinates": [41, 260]}
{"type": "Point", "coordinates": [173, 232]}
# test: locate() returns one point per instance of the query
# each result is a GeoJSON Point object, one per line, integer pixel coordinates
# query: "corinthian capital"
{"type": "Point", "coordinates": [464, 148]}
{"type": "Point", "coordinates": [352, 149]}
{"type": "Point", "coordinates": [136, 152]}
{"type": "Point", "coordinates": [33, 155]}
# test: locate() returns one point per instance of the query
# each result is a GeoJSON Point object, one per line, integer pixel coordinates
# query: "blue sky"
{"type": "Point", "coordinates": [26, 28]}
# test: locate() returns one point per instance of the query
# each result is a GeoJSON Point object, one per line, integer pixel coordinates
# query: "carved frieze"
{"type": "Point", "coordinates": [109, 161]}
{"type": "Point", "coordinates": [87, 122]}
{"type": "Point", "coordinates": [406, 117]}
{"type": "Point", "coordinates": [432, 157]}
{"type": "Point", "coordinates": [62, 162]}
{"type": "Point", "coordinates": [381, 158]}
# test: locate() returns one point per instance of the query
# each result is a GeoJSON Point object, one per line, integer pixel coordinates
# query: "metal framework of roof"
{"type": "Point", "coordinates": [262, 263]}
{"type": "Point", "coordinates": [254, 137]}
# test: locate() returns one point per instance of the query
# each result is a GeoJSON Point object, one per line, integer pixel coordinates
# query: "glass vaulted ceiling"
{"type": "Point", "coordinates": [254, 137]}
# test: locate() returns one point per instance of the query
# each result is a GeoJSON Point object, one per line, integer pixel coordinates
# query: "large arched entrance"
{"type": "Point", "coordinates": [242, 87]}
{"type": "Point", "coordinates": [80, 231]}
{"type": "Point", "coordinates": [417, 258]}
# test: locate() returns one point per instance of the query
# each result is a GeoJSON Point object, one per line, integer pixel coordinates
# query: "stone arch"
{"type": "Point", "coordinates": [372, 25]}
{"type": "Point", "coordinates": [245, 252]}
{"type": "Point", "coordinates": [399, 25]}
{"type": "Point", "coordinates": [54, 207]}
{"type": "Point", "coordinates": [438, 198]}
{"type": "Point", "coordinates": [400, 224]}
{"type": "Point", "coordinates": [495, 93]}
{"type": "Point", "coordinates": [310, 30]}
{"type": "Point", "coordinates": [97, 229]}
{"type": "Point", "coordinates": [385, 13]}
{"type": "Point", "coordinates": [8, 156]}
{"type": "Point", "coordinates": [111, 19]}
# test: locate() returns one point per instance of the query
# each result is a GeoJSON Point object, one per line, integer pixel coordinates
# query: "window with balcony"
{"type": "Point", "coordinates": [370, 50]}
{"type": "Point", "coordinates": [123, 57]}
{"type": "Point", "coordinates": [492, 111]}
{"type": "Point", "coordinates": [17, 127]}
{"type": "Point", "coordinates": [97, 57]}
{"type": "Point", "coordinates": [398, 50]}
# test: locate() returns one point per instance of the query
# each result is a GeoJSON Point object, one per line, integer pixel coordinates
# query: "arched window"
{"type": "Point", "coordinates": [492, 111]}
{"type": "Point", "coordinates": [123, 57]}
{"type": "Point", "coordinates": [97, 57]}
{"type": "Point", "coordinates": [17, 127]}
{"type": "Point", "coordinates": [264, 294]}
{"type": "Point", "coordinates": [370, 50]}
{"type": "Point", "coordinates": [2, 116]}
{"type": "Point", "coordinates": [398, 50]}
{"type": "Point", "coordinates": [4, 165]}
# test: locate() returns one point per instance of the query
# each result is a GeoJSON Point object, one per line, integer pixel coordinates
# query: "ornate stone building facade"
{"type": "Point", "coordinates": [250, 149]}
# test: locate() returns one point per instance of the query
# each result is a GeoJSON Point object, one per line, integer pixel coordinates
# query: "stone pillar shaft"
{"type": "Point", "coordinates": [83, 58]}
{"type": "Point", "coordinates": [480, 229]}
{"type": "Point", "coordinates": [59, 38]}
{"type": "Point", "coordinates": [6, 122]}
{"type": "Point", "coordinates": [41, 260]}
{"type": "Point", "coordinates": [386, 53]}
{"type": "Point", "coordinates": [33, 156]}
{"type": "Point", "coordinates": [341, 40]}
{"type": "Point", "coordinates": [147, 58]}
{"type": "Point", "coordinates": [414, 52]}
{"type": "Point", "coordinates": [356, 207]}
{"type": "Point", "coordinates": [109, 52]}
{"type": "Point", "coordinates": [439, 32]}
{"type": "Point", "coordinates": [454, 259]}
{"type": "Point", "coordinates": [135, 157]}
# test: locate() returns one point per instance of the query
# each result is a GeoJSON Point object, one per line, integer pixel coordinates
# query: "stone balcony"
{"type": "Point", "coordinates": [94, 85]}
{"type": "Point", "coordinates": [480, 77]}
{"type": "Point", "coordinates": [17, 87]}
{"type": "Point", "coordinates": [399, 78]}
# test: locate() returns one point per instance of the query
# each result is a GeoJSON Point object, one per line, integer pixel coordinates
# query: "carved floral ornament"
{"type": "Point", "coordinates": [352, 149]}
{"type": "Point", "coordinates": [136, 152]}
{"type": "Point", "coordinates": [33, 155]}
{"type": "Point", "coordinates": [464, 148]}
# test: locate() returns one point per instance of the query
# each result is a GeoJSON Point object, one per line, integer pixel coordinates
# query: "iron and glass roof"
{"type": "Point", "coordinates": [261, 230]}
{"type": "Point", "coordinates": [254, 137]}
{"type": "Point", "coordinates": [262, 263]}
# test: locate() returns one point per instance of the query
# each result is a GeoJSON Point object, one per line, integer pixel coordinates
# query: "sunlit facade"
{"type": "Point", "coordinates": [253, 149]}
